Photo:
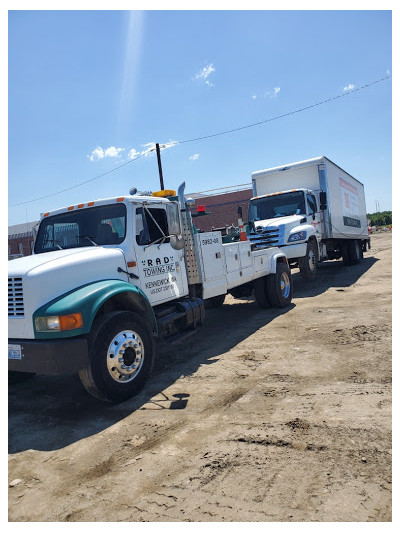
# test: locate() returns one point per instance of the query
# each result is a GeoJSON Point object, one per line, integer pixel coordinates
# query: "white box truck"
{"type": "Point", "coordinates": [109, 277]}
{"type": "Point", "coordinates": [313, 210]}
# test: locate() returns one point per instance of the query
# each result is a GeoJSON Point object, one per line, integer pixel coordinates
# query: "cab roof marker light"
{"type": "Point", "coordinates": [80, 205]}
{"type": "Point", "coordinates": [164, 193]}
{"type": "Point", "coordinates": [90, 204]}
{"type": "Point", "coordinates": [46, 214]}
{"type": "Point", "coordinates": [70, 208]}
{"type": "Point", "coordinates": [120, 199]}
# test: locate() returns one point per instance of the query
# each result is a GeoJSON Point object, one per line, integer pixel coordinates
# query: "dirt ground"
{"type": "Point", "coordinates": [265, 415]}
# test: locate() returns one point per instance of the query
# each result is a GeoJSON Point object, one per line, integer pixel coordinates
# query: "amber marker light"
{"type": "Point", "coordinates": [70, 208]}
{"type": "Point", "coordinates": [73, 321]}
{"type": "Point", "coordinates": [80, 205]}
{"type": "Point", "coordinates": [120, 199]}
{"type": "Point", "coordinates": [90, 204]}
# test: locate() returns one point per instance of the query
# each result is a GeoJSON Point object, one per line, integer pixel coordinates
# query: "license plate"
{"type": "Point", "coordinates": [14, 351]}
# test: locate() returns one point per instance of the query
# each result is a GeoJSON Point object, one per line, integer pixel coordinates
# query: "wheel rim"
{"type": "Point", "coordinates": [311, 260]}
{"type": "Point", "coordinates": [285, 285]}
{"type": "Point", "coordinates": [125, 356]}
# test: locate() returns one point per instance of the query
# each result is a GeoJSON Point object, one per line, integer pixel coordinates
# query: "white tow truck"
{"type": "Point", "coordinates": [313, 210]}
{"type": "Point", "coordinates": [108, 278]}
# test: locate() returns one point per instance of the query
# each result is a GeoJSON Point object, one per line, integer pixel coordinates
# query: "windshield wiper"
{"type": "Point", "coordinates": [54, 242]}
{"type": "Point", "coordinates": [88, 238]}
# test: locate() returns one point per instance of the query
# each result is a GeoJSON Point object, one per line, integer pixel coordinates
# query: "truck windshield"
{"type": "Point", "coordinates": [278, 205]}
{"type": "Point", "coordinates": [85, 227]}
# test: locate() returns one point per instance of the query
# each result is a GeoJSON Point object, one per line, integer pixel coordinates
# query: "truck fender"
{"type": "Point", "coordinates": [275, 259]}
{"type": "Point", "coordinates": [89, 299]}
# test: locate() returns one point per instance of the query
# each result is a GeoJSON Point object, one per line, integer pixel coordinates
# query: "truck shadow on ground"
{"type": "Point", "coordinates": [331, 275]}
{"type": "Point", "coordinates": [50, 412]}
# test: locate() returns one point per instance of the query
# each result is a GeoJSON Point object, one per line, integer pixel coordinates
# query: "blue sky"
{"type": "Point", "coordinates": [90, 90]}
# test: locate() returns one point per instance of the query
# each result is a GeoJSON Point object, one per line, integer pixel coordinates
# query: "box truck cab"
{"type": "Point", "coordinates": [313, 209]}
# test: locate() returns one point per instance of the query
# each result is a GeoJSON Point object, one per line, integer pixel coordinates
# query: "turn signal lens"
{"type": "Point", "coordinates": [73, 321]}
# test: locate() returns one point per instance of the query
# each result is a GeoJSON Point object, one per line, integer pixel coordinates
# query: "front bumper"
{"type": "Point", "coordinates": [53, 356]}
{"type": "Point", "coordinates": [293, 251]}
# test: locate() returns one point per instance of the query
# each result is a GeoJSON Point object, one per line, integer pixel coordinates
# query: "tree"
{"type": "Point", "coordinates": [383, 218]}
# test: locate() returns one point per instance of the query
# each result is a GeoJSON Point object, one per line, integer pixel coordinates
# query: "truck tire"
{"type": "Point", "coordinates": [215, 302]}
{"type": "Point", "coordinates": [279, 286]}
{"type": "Point", "coordinates": [355, 251]}
{"type": "Point", "coordinates": [309, 263]}
{"type": "Point", "coordinates": [260, 292]}
{"type": "Point", "coordinates": [18, 377]}
{"type": "Point", "coordinates": [121, 355]}
{"type": "Point", "coordinates": [345, 253]}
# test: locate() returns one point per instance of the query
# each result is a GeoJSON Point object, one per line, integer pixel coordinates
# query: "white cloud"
{"type": "Point", "coordinates": [113, 152]}
{"type": "Point", "coordinates": [98, 153]}
{"type": "Point", "coordinates": [348, 87]}
{"type": "Point", "coordinates": [133, 154]}
{"type": "Point", "coordinates": [273, 93]}
{"type": "Point", "coordinates": [194, 157]}
{"type": "Point", "coordinates": [169, 144]}
{"type": "Point", "coordinates": [150, 147]}
{"type": "Point", "coordinates": [205, 73]}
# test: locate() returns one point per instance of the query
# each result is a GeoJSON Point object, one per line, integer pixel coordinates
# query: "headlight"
{"type": "Point", "coordinates": [299, 236]}
{"type": "Point", "coordinates": [59, 323]}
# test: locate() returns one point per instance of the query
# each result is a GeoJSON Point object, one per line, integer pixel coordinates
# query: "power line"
{"type": "Point", "coordinates": [285, 114]}
{"type": "Point", "coordinates": [209, 137]}
{"type": "Point", "coordinates": [79, 184]}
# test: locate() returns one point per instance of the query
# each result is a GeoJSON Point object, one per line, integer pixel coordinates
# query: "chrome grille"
{"type": "Point", "coordinates": [15, 297]}
{"type": "Point", "coordinates": [265, 238]}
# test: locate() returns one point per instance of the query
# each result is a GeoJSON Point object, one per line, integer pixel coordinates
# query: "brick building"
{"type": "Point", "coordinates": [20, 239]}
{"type": "Point", "coordinates": [222, 204]}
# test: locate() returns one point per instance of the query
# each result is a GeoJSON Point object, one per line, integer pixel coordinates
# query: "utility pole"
{"type": "Point", "coordinates": [159, 166]}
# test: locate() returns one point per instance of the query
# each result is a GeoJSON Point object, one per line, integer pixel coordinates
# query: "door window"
{"type": "Point", "coordinates": [151, 226]}
{"type": "Point", "coordinates": [311, 204]}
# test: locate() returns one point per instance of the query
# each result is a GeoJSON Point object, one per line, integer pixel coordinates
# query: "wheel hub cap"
{"type": "Point", "coordinates": [285, 285]}
{"type": "Point", "coordinates": [125, 356]}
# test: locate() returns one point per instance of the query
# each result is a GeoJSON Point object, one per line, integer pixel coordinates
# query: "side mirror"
{"type": "Point", "coordinates": [176, 242]}
{"type": "Point", "coordinates": [322, 200]}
